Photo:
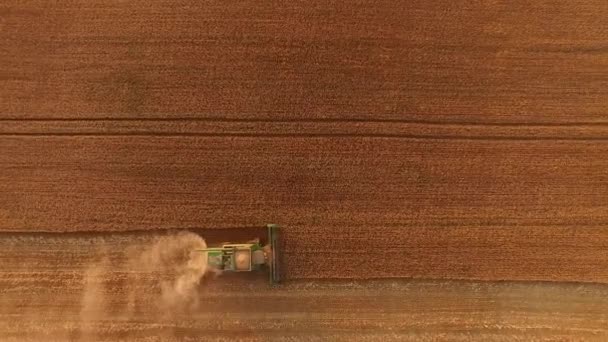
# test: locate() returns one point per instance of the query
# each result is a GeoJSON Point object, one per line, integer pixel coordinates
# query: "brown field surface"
{"type": "Point", "coordinates": [439, 169]}
{"type": "Point", "coordinates": [473, 61]}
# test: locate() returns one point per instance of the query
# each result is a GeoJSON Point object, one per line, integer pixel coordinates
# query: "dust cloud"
{"type": "Point", "coordinates": [93, 302]}
{"type": "Point", "coordinates": [168, 265]}
{"type": "Point", "coordinates": [87, 280]}
{"type": "Point", "coordinates": [179, 268]}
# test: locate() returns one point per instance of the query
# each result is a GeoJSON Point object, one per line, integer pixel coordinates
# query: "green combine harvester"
{"type": "Point", "coordinates": [247, 257]}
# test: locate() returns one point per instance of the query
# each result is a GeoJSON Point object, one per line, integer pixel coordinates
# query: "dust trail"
{"type": "Point", "coordinates": [93, 302]}
{"type": "Point", "coordinates": [166, 268]}
{"type": "Point", "coordinates": [87, 280]}
{"type": "Point", "coordinates": [176, 265]}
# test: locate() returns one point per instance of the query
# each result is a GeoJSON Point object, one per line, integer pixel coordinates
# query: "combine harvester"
{"type": "Point", "coordinates": [250, 256]}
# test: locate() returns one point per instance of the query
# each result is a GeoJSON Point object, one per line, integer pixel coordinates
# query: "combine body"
{"type": "Point", "coordinates": [241, 257]}
{"type": "Point", "coordinates": [247, 257]}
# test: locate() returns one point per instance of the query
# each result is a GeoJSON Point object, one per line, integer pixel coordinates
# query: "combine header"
{"type": "Point", "coordinates": [248, 256]}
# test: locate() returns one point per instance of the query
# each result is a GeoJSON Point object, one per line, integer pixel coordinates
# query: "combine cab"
{"type": "Point", "coordinates": [248, 256]}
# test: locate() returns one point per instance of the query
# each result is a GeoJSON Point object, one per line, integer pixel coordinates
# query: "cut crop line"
{"type": "Point", "coordinates": [308, 135]}
{"type": "Point", "coordinates": [315, 120]}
